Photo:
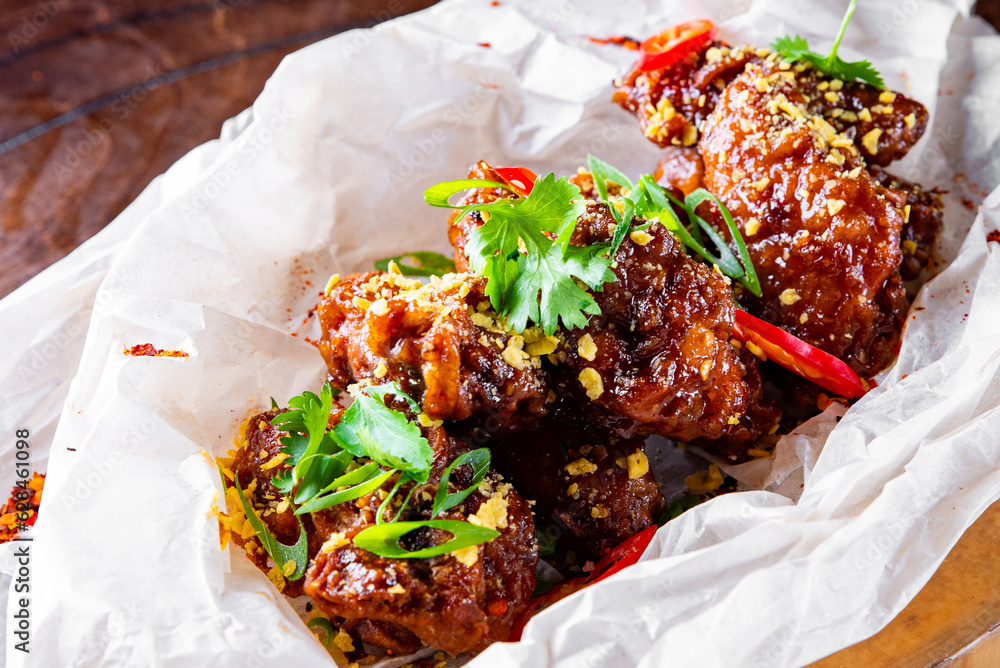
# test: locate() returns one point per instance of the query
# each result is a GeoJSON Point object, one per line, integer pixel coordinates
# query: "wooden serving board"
{"type": "Point", "coordinates": [111, 94]}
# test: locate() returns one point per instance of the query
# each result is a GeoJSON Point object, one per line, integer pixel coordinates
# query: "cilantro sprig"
{"type": "Point", "coordinates": [531, 276]}
{"type": "Point", "coordinates": [797, 48]}
{"type": "Point", "coordinates": [370, 444]}
{"type": "Point", "coordinates": [650, 201]}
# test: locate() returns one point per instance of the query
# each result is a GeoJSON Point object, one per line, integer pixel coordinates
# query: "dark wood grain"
{"type": "Point", "coordinates": [132, 86]}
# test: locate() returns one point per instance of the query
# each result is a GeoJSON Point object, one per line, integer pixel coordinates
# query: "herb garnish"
{"type": "Point", "coordinates": [280, 553]}
{"type": "Point", "coordinates": [370, 444]}
{"type": "Point", "coordinates": [650, 201]}
{"type": "Point", "coordinates": [531, 276]}
{"type": "Point", "coordinates": [426, 263]}
{"type": "Point", "coordinates": [797, 48]}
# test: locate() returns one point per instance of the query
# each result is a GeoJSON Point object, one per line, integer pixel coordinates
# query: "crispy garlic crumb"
{"type": "Point", "coordinates": [573, 490]}
{"type": "Point", "coordinates": [397, 589]}
{"type": "Point", "coordinates": [640, 237]}
{"type": "Point", "coordinates": [789, 296]}
{"type": "Point", "coordinates": [705, 481]}
{"type": "Point", "coordinates": [580, 467]}
{"type": "Point", "coordinates": [752, 226]}
{"type": "Point", "coordinates": [276, 577]}
{"type": "Point", "coordinates": [280, 457]}
{"type": "Point", "coordinates": [804, 318]}
{"type": "Point", "coordinates": [638, 465]}
{"type": "Point", "coordinates": [592, 383]}
{"type": "Point", "coordinates": [425, 420]}
{"type": "Point", "coordinates": [336, 540]}
{"type": "Point", "coordinates": [910, 120]}
{"type": "Point", "coordinates": [865, 115]}
{"type": "Point", "coordinates": [870, 140]}
{"type": "Point", "coordinates": [835, 205]}
{"type": "Point", "coordinates": [758, 454]}
{"type": "Point", "coordinates": [586, 347]}
{"type": "Point", "coordinates": [909, 246]}
{"type": "Point", "coordinates": [381, 370]}
{"type": "Point", "coordinates": [467, 556]}
{"type": "Point", "coordinates": [887, 97]}
{"type": "Point", "coordinates": [492, 514]}
{"type": "Point", "coordinates": [600, 511]}
{"type": "Point", "coordinates": [379, 307]}
{"type": "Point", "coordinates": [343, 641]}
{"type": "Point", "coordinates": [514, 354]}
{"type": "Point", "coordinates": [332, 283]}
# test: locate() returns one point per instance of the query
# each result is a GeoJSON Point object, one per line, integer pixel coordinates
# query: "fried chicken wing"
{"type": "Point", "coordinates": [440, 342]}
{"type": "Point", "coordinates": [824, 236]}
{"type": "Point", "coordinates": [923, 214]}
{"type": "Point", "coordinates": [658, 357]}
{"type": "Point", "coordinates": [672, 104]}
{"type": "Point", "coordinates": [591, 489]}
{"type": "Point", "coordinates": [460, 601]}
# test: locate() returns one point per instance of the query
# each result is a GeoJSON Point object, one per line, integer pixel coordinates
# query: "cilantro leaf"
{"type": "Point", "coordinates": [382, 434]}
{"type": "Point", "coordinates": [537, 285]}
{"type": "Point", "coordinates": [653, 202]}
{"type": "Point", "coordinates": [308, 415]}
{"type": "Point", "coordinates": [797, 48]}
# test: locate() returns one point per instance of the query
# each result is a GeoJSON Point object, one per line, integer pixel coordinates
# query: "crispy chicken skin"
{"type": "Point", "coordinates": [440, 342]}
{"type": "Point", "coordinates": [822, 233]}
{"type": "Point", "coordinates": [591, 489]}
{"type": "Point", "coordinates": [658, 358]}
{"type": "Point", "coordinates": [923, 213]}
{"type": "Point", "coordinates": [796, 156]}
{"type": "Point", "coordinates": [672, 104]}
{"type": "Point", "coordinates": [458, 602]}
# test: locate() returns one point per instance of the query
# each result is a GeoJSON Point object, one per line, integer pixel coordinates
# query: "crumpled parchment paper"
{"type": "Point", "coordinates": [225, 255]}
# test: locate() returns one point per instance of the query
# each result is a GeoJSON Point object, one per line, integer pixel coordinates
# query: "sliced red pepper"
{"type": "Point", "coordinates": [521, 179]}
{"type": "Point", "coordinates": [613, 562]}
{"type": "Point", "coordinates": [663, 50]}
{"type": "Point", "coordinates": [796, 355]}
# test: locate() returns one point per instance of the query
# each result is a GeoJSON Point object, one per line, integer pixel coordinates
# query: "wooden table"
{"type": "Point", "coordinates": [97, 97]}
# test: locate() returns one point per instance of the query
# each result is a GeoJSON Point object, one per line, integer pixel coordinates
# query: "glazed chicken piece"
{"type": "Point", "coordinates": [591, 490]}
{"type": "Point", "coordinates": [923, 213]}
{"type": "Point", "coordinates": [461, 601]}
{"type": "Point", "coordinates": [672, 104]}
{"type": "Point", "coordinates": [658, 358]}
{"type": "Point", "coordinates": [823, 235]}
{"type": "Point", "coordinates": [441, 342]}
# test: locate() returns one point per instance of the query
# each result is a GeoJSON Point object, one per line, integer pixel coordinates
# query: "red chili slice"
{"type": "Point", "coordinates": [663, 50]}
{"type": "Point", "coordinates": [521, 179]}
{"type": "Point", "coordinates": [613, 562]}
{"type": "Point", "coordinates": [796, 355]}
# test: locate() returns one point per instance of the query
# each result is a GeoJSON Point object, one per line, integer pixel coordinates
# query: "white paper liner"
{"type": "Point", "coordinates": [324, 176]}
